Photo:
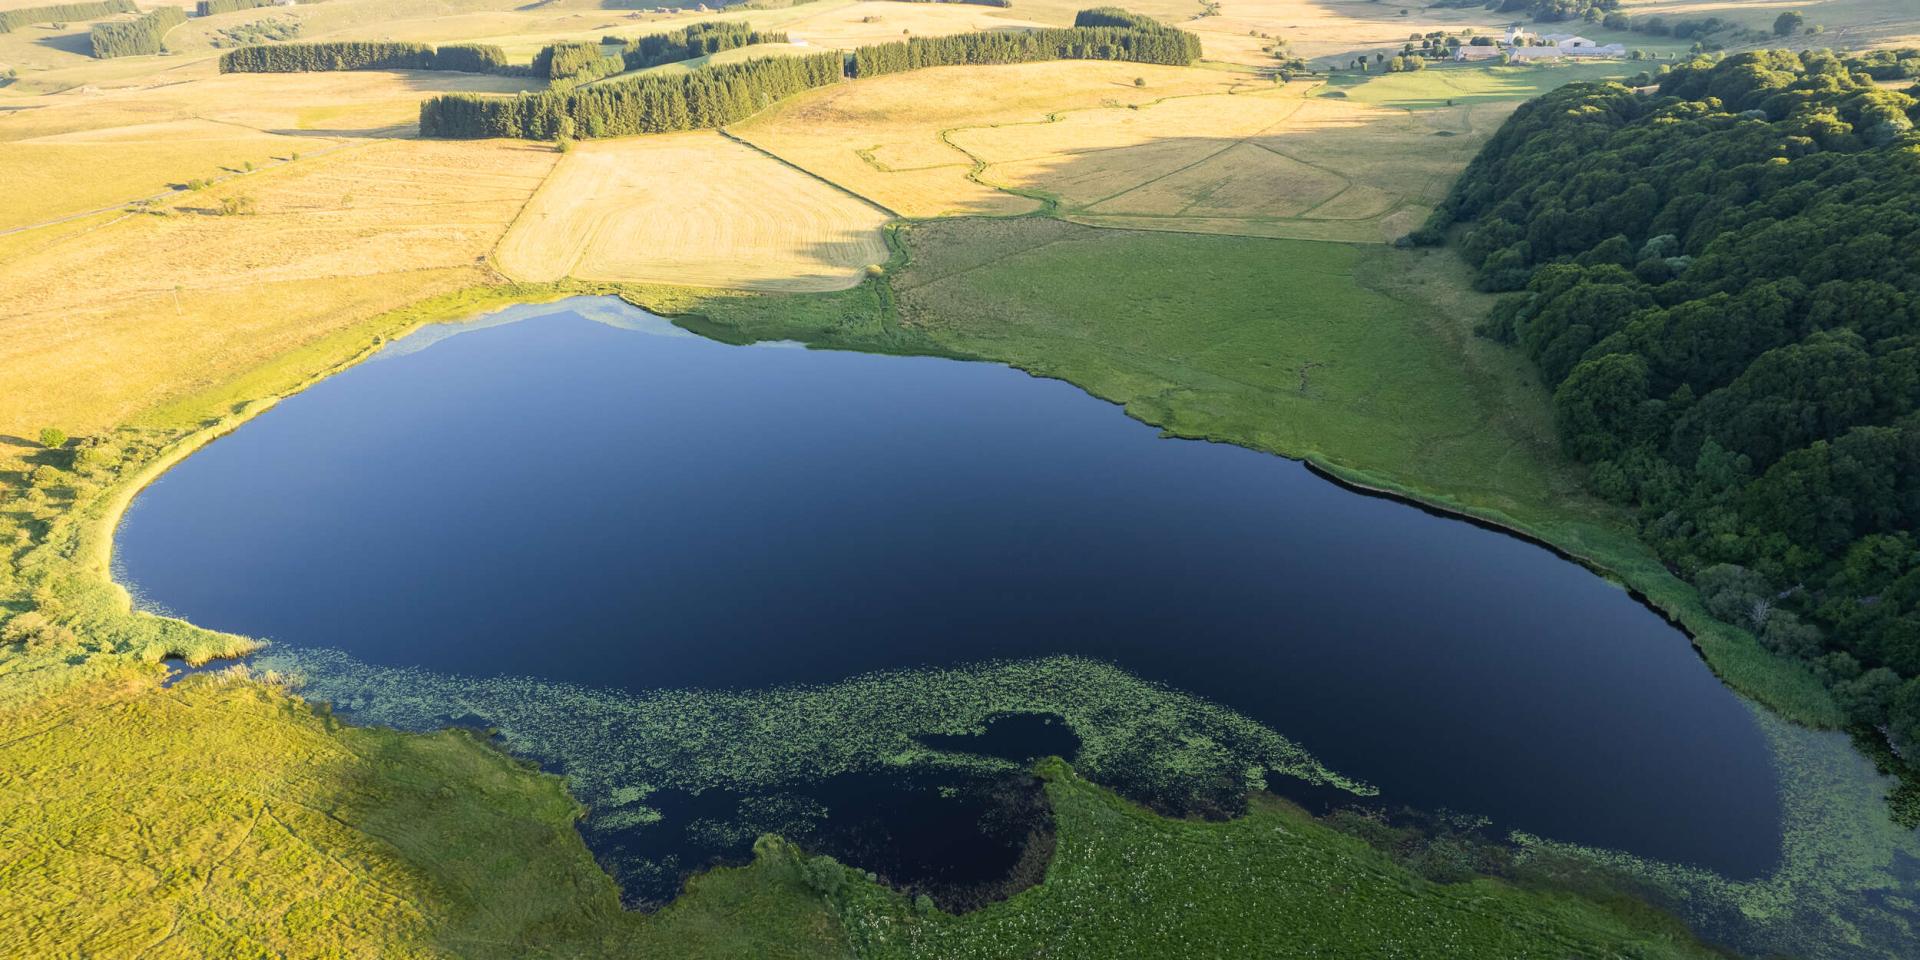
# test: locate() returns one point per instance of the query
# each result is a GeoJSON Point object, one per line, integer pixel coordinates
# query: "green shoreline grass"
{"type": "Point", "coordinates": [67, 536]}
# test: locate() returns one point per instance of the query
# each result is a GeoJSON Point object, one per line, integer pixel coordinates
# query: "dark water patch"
{"type": "Point", "coordinates": [963, 841]}
{"type": "Point", "coordinates": [1018, 737]}
{"type": "Point", "coordinates": [567, 500]}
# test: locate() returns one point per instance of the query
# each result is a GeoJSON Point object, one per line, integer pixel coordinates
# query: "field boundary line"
{"type": "Point", "coordinates": [783, 161]}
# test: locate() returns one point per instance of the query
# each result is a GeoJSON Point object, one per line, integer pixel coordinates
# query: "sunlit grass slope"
{"type": "Point", "coordinates": [223, 818]}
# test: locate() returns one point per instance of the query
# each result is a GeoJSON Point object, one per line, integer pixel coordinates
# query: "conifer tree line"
{"type": "Point", "coordinates": [698, 40]}
{"type": "Point", "coordinates": [575, 61]}
{"type": "Point", "coordinates": [1115, 17]}
{"type": "Point", "coordinates": [207, 8]}
{"type": "Point", "coordinates": [11, 20]}
{"type": "Point", "coordinates": [704, 98]}
{"type": "Point", "coordinates": [716, 95]}
{"type": "Point", "coordinates": [365, 55]}
{"type": "Point", "coordinates": [127, 38]}
{"type": "Point", "coordinates": [1134, 44]}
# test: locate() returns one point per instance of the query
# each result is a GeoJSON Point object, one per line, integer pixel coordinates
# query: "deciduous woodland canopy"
{"type": "Point", "coordinates": [11, 20]}
{"type": "Point", "coordinates": [1721, 281]}
{"type": "Point", "coordinates": [126, 38]}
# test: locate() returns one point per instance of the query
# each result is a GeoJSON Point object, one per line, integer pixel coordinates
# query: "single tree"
{"type": "Point", "coordinates": [53, 438]}
{"type": "Point", "coordinates": [1789, 23]}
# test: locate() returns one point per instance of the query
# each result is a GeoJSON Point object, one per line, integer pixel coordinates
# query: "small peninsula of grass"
{"type": "Point", "coordinates": [1127, 883]}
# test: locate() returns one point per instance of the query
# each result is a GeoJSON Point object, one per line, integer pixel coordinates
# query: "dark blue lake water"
{"type": "Point", "coordinates": [567, 499]}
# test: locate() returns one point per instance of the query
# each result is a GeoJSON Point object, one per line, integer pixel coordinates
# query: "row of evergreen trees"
{"type": "Point", "coordinates": [11, 20]}
{"type": "Point", "coordinates": [1115, 17]}
{"type": "Point", "coordinates": [698, 40]}
{"type": "Point", "coordinates": [364, 55]}
{"type": "Point", "coordinates": [575, 62]}
{"type": "Point", "coordinates": [1135, 44]}
{"type": "Point", "coordinates": [709, 97]}
{"type": "Point", "coordinates": [127, 38]}
{"type": "Point", "coordinates": [716, 95]}
{"type": "Point", "coordinates": [207, 8]}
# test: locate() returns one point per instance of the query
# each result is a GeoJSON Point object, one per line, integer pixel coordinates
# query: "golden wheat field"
{"type": "Point", "coordinates": [109, 315]}
{"type": "Point", "coordinates": [691, 208]}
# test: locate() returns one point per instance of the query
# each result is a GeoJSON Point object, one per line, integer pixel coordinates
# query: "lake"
{"type": "Point", "coordinates": [593, 496]}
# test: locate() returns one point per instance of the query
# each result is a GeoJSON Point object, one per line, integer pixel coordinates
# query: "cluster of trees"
{"type": "Point", "coordinates": [575, 62]}
{"type": "Point", "coordinates": [1156, 44]}
{"type": "Point", "coordinates": [142, 35]}
{"type": "Point", "coordinates": [1889, 64]}
{"type": "Point", "coordinates": [1719, 280]}
{"type": "Point", "coordinates": [1555, 10]}
{"type": "Point", "coordinates": [698, 40]}
{"type": "Point", "coordinates": [1663, 27]}
{"type": "Point", "coordinates": [207, 8]}
{"type": "Point", "coordinates": [1115, 17]}
{"type": "Point", "coordinates": [364, 55]}
{"type": "Point", "coordinates": [11, 20]}
{"type": "Point", "coordinates": [708, 97]}
{"type": "Point", "coordinates": [267, 30]}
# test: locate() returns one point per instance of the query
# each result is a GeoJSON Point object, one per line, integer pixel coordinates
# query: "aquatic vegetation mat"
{"type": "Point", "coordinates": [1169, 749]}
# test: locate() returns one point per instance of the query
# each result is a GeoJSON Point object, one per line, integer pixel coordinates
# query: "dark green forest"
{"type": "Point", "coordinates": [127, 38]}
{"type": "Point", "coordinates": [1151, 44]}
{"type": "Point", "coordinates": [574, 62]}
{"type": "Point", "coordinates": [364, 55]}
{"type": "Point", "coordinates": [716, 95]}
{"type": "Point", "coordinates": [11, 20]}
{"type": "Point", "coordinates": [207, 8]}
{"type": "Point", "coordinates": [708, 97]}
{"type": "Point", "coordinates": [698, 40]}
{"type": "Point", "coordinates": [1720, 281]}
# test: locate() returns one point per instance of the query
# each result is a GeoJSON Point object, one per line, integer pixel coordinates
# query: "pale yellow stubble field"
{"type": "Point", "coordinates": [882, 137]}
{"type": "Point", "coordinates": [111, 315]}
{"type": "Point", "coordinates": [691, 208]}
{"type": "Point", "coordinates": [78, 151]}
{"type": "Point", "coordinates": [1244, 29]}
{"type": "Point", "coordinates": [1279, 163]}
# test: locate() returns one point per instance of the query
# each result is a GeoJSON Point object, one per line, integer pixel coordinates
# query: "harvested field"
{"type": "Point", "coordinates": [882, 138]}
{"type": "Point", "coordinates": [1276, 163]}
{"type": "Point", "coordinates": [692, 208]}
{"type": "Point", "coordinates": [115, 314]}
{"type": "Point", "coordinates": [84, 150]}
